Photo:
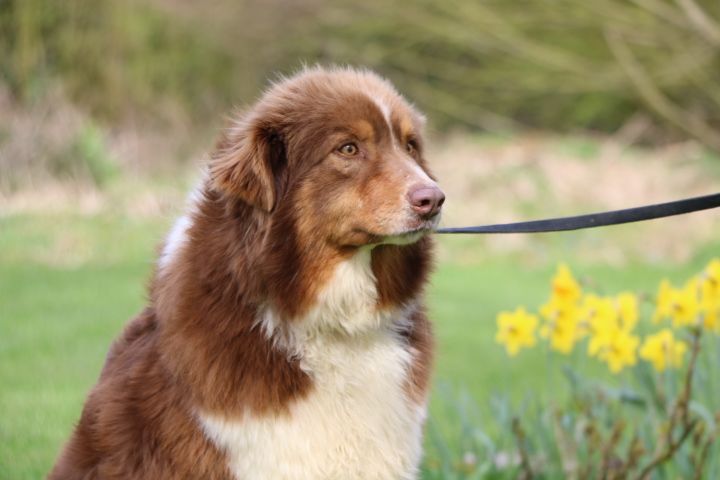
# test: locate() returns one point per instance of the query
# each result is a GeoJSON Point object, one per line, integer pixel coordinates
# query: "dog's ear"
{"type": "Point", "coordinates": [248, 163]}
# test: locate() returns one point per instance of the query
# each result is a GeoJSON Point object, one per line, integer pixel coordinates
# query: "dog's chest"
{"type": "Point", "coordinates": [357, 422]}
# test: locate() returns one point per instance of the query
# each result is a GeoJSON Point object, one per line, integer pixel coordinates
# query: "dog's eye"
{"type": "Point", "coordinates": [411, 147]}
{"type": "Point", "coordinates": [349, 149]}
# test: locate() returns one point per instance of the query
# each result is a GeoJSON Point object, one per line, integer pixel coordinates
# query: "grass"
{"type": "Point", "coordinates": [69, 282]}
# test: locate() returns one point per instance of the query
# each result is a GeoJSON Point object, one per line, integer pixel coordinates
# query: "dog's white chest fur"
{"type": "Point", "coordinates": [357, 422]}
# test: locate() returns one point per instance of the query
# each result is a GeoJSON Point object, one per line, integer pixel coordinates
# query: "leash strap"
{"type": "Point", "coordinates": [593, 220]}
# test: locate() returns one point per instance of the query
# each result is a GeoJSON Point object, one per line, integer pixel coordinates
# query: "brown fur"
{"type": "Point", "coordinates": [278, 212]}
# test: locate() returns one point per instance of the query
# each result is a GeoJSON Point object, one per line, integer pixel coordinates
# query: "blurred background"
{"type": "Point", "coordinates": [536, 108]}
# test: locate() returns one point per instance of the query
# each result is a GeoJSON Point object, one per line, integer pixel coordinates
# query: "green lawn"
{"type": "Point", "coordinates": [68, 283]}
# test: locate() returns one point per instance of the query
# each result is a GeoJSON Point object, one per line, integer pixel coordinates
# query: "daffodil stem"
{"type": "Point", "coordinates": [526, 470]}
{"type": "Point", "coordinates": [567, 449]}
{"type": "Point", "coordinates": [702, 456]}
{"type": "Point", "coordinates": [679, 412]}
{"type": "Point", "coordinates": [684, 399]}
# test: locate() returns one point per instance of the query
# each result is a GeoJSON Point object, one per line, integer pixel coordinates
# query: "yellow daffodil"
{"type": "Point", "coordinates": [554, 310]}
{"type": "Point", "coordinates": [600, 321]}
{"type": "Point", "coordinates": [687, 304]}
{"type": "Point", "coordinates": [710, 309]}
{"type": "Point", "coordinates": [664, 305]}
{"type": "Point", "coordinates": [562, 332]}
{"type": "Point", "coordinates": [565, 289]}
{"type": "Point", "coordinates": [598, 313]}
{"type": "Point", "coordinates": [610, 331]}
{"type": "Point", "coordinates": [609, 321]}
{"type": "Point", "coordinates": [711, 318]}
{"type": "Point", "coordinates": [561, 324]}
{"type": "Point", "coordinates": [663, 350]}
{"type": "Point", "coordinates": [627, 307]}
{"type": "Point", "coordinates": [682, 305]}
{"type": "Point", "coordinates": [561, 312]}
{"type": "Point", "coordinates": [712, 271]}
{"type": "Point", "coordinates": [620, 350]}
{"type": "Point", "coordinates": [516, 330]}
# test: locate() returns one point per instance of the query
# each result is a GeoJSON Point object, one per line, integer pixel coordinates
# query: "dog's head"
{"type": "Point", "coordinates": [340, 153]}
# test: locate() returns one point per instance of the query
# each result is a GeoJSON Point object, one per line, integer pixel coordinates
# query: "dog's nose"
{"type": "Point", "coordinates": [426, 200]}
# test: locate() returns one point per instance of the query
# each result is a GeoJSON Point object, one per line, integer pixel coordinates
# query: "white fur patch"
{"type": "Point", "coordinates": [174, 242]}
{"type": "Point", "coordinates": [348, 302]}
{"type": "Point", "coordinates": [357, 422]}
{"type": "Point", "coordinates": [177, 237]}
{"type": "Point", "coordinates": [419, 173]}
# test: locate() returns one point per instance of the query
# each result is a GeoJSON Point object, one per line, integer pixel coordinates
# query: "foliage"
{"type": "Point", "coordinates": [87, 157]}
{"type": "Point", "coordinates": [113, 57]}
{"type": "Point", "coordinates": [662, 423]}
{"type": "Point", "coordinates": [53, 140]}
{"type": "Point", "coordinates": [561, 65]}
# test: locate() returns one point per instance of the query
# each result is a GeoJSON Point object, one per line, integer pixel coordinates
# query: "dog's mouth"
{"type": "Point", "coordinates": [423, 227]}
{"type": "Point", "coordinates": [403, 237]}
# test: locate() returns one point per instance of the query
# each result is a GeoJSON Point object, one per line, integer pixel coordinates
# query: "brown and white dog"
{"type": "Point", "coordinates": [285, 337]}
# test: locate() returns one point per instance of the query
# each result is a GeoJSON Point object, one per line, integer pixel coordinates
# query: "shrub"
{"type": "Point", "coordinates": [114, 58]}
{"type": "Point", "coordinates": [87, 158]}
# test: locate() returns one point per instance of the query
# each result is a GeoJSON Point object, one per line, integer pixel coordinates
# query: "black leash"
{"type": "Point", "coordinates": [592, 220]}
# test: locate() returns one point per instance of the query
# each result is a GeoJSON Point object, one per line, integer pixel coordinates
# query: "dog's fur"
{"type": "Point", "coordinates": [285, 337]}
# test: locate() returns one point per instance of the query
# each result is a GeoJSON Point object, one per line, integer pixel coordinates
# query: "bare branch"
{"type": "Point", "coordinates": [654, 97]}
{"type": "Point", "coordinates": [705, 25]}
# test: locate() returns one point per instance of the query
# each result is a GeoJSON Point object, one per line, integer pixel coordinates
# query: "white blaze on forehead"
{"type": "Point", "coordinates": [416, 171]}
{"type": "Point", "coordinates": [385, 109]}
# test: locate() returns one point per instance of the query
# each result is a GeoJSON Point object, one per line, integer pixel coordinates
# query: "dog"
{"type": "Point", "coordinates": [285, 335]}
